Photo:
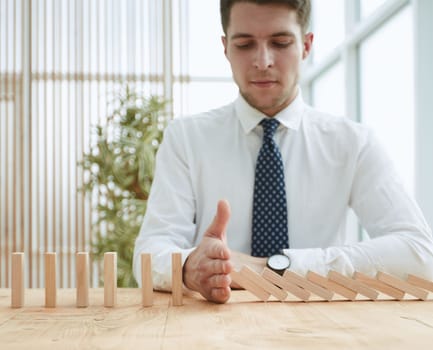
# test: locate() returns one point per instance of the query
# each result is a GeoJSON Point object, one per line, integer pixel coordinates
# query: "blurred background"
{"type": "Point", "coordinates": [62, 62]}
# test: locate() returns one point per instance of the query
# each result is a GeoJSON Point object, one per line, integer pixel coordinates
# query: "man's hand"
{"type": "Point", "coordinates": [208, 267]}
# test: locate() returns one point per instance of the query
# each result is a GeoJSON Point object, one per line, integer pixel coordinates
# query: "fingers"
{"type": "Point", "coordinates": [219, 288]}
{"type": "Point", "coordinates": [217, 250]}
{"type": "Point", "coordinates": [219, 281]}
{"type": "Point", "coordinates": [219, 225]}
{"type": "Point", "coordinates": [216, 267]}
{"type": "Point", "coordinates": [207, 268]}
{"type": "Point", "coordinates": [220, 295]}
{"type": "Point", "coordinates": [216, 288]}
{"type": "Point", "coordinates": [200, 267]}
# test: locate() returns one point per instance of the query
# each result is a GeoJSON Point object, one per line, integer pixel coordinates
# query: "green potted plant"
{"type": "Point", "coordinates": [118, 172]}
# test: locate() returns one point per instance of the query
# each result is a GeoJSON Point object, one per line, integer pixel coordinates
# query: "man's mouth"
{"type": "Point", "coordinates": [263, 83]}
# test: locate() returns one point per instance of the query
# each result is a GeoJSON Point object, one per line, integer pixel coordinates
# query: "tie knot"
{"type": "Point", "coordinates": [269, 127]}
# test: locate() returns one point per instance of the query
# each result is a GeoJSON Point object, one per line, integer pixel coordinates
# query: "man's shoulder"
{"type": "Point", "coordinates": [201, 128]}
{"type": "Point", "coordinates": [332, 123]}
{"type": "Point", "coordinates": [339, 134]}
{"type": "Point", "coordinates": [211, 118]}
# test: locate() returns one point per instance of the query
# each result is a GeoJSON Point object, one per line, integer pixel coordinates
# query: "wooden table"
{"type": "Point", "coordinates": [242, 323]}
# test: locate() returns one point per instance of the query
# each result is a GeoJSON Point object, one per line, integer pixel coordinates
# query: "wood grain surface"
{"type": "Point", "coordinates": [242, 323]}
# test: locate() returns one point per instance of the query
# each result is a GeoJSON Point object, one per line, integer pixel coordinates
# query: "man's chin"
{"type": "Point", "coordinates": [262, 105]}
{"type": "Point", "coordinates": [267, 103]}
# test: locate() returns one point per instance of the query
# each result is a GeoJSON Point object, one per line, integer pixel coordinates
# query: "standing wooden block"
{"type": "Point", "coordinates": [353, 284]}
{"type": "Point", "coordinates": [146, 280]}
{"type": "Point", "coordinates": [379, 285]}
{"type": "Point", "coordinates": [82, 272]}
{"type": "Point", "coordinates": [110, 279]}
{"type": "Point", "coordinates": [50, 280]}
{"type": "Point", "coordinates": [330, 285]}
{"type": "Point", "coordinates": [176, 279]}
{"type": "Point", "coordinates": [249, 285]}
{"type": "Point", "coordinates": [290, 287]}
{"type": "Point", "coordinates": [306, 284]}
{"type": "Point", "coordinates": [420, 282]}
{"type": "Point", "coordinates": [17, 297]}
{"type": "Point", "coordinates": [402, 285]}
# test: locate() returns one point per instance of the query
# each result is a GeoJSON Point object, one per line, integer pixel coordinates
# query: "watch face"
{"type": "Point", "coordinates": [279, 262]}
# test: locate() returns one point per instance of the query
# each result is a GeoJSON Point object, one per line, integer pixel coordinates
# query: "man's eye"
{"type": "Point", "coordinates": [243, 45]}
{"type": "Point", "coordinates": [281, 44]}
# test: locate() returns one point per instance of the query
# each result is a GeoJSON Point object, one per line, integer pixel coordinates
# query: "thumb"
{"type": "Point", "coordinates": [219, 225]}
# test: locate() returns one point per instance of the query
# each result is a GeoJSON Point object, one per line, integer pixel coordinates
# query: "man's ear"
{"type": "Point", "coordinates": [224, 41]}
{"type": "Point", "coordinates": [308, 45]}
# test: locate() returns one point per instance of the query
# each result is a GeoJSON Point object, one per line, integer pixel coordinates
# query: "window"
{"type": "Point", "coordinates": [386, 64]}
{"type": "Point", "coordinates": [202, 75]}
{"type": "Point", "coordinates": [363, 69]}
{"type": "Point", "coordinates": [369, 6]}
{"type": "Point", "coordinates": [328, 91]}
{"type": "Point", "coordinates": [328, 26]}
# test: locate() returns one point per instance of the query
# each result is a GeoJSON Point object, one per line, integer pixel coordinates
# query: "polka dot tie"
{"type": "Point", "coordinates": [270, 230]}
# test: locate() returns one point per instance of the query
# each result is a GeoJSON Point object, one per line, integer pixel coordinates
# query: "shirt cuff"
{"type": "Point", "coordinates": [319, 260]}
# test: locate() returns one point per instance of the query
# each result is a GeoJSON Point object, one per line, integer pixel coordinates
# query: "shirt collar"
{"type": "Point", "coordinates": [290, 117]}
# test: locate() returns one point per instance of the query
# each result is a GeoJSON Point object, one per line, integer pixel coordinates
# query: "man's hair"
{"type": "Point", "coordinates": [302, 8]}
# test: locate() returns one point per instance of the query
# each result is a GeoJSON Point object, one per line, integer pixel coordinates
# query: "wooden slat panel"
{"type": "Point", "coordinates": [56, 86]}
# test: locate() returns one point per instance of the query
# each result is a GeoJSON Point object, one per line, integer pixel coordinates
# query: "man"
{"type": "Point", "coordinates": [320, 166]}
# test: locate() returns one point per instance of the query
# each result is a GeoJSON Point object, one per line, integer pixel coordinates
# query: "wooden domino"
{"type": "Point", "coordinates": [379, 285]}
{"type": "Point", "coordinates": [420, 282]}
{"type": "Point", "coordinates": [110, 279]}
{"type": "Point", "coordinates": [17, 295]}
{"type": "Point", "coordinates": [288, 286]}
{"type": "Point", "coordinates": [146, 280]}
{"type": "Point", "coordinates": [331, 285]}
{"type": "Point", "coordinates": [249, 285]}
{"type": "Point", "coordinates": [402, 285]}
{"type": "Point", "coordinates": [176, 279]}
{"type": "Point", "coordinates": [82, 279]}
{"type": "Point", "coordinates": [266, 285]}
{"type": "Point", "coordinates": [50, 280]}
{"type": "Point", "coordinates": [353, 284]}
{"type": "Point", "coordinates": [261, 285]}
{"type": "Point", "coordinates": [308, 285]}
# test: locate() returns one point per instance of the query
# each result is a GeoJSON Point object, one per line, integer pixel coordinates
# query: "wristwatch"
{"type": "Point", "coordinates": [278, 263]}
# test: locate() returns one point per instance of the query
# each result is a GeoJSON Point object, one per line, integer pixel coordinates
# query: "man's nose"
{"type": "Point", "coordinates": [264, 58]}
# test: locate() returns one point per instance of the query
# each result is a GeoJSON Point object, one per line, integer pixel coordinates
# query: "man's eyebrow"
{"type": "Point", "coordinates": [240, 35]}
{"type": "Point", "coordinates": [274, 35]}
{"type": "Point", "coordinates": [284, 33]}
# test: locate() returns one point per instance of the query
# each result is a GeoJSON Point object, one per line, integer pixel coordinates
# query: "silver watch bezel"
{"type": "Point", "coordinates": [279, 269]}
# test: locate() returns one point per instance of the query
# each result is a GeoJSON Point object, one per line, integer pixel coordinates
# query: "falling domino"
{"type": "Point", "coordinates": [110, 279]}
{"type": "Point", "coordinates": [50, 280]}
{"type": "Point", "coordinates": [331, 285]}
{"type": "Point", "coordinates": [249, 285]}
{"type": "Point", "coordinates": [379, 285]}
{"type": "Point", "coordinates": [290, 287]}
{"type": "Point", "coordinates": [402, 285]}
{"type": "Point", "coordinates": [17, 297]}
{"type": "Point", "coordinates": [176, 279]}
{"type": "Point", "coordinates": [306, 284]}
{"type": "Point", "coordinates": [82, 266]}
{"type": "Point", "coordinates": [146, 280]}
{"type": "Point", "coordinates": [254, 277]}
{"type": "Point", "coordinates": [353, 284]}
{"type": "Point", "coordinates": [420, 282]}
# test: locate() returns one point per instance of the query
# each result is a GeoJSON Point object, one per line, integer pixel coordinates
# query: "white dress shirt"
{"type": "Point", "coordinates": [331, 164]}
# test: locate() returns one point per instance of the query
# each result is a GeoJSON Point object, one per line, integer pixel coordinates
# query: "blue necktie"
{"type": "Point", "coordinates": [270, 230]}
